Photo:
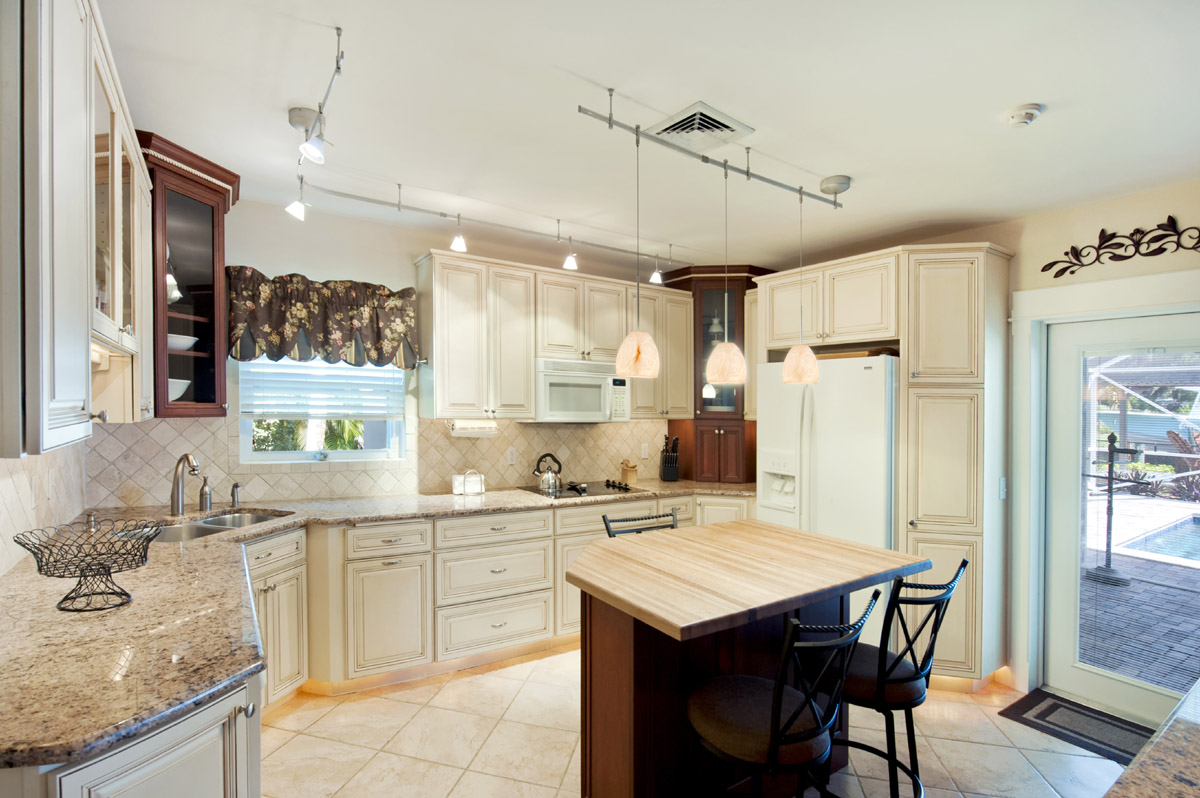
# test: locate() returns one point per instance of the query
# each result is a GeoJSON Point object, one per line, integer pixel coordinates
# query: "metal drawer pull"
{"type": "Point", "coordinates": [269, 588]}
{"type": "Point", "coordinates": [391, 562]}
{"type": "Point", "coordinates": [499, 528]}
{"type": "Point", "coordinates": [500, 625]}
{"type": "Point", "coordinates": [264, 556]}
{"type": "Point", "coordinates": [499, 570]}
{"type": "Point", "coordinates": [392, 540]}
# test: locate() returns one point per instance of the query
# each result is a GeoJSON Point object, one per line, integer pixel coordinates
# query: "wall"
{"type": "Point", "coordinates": [38, 491]}
{"type": "Point", "coordinates": [587, 452]}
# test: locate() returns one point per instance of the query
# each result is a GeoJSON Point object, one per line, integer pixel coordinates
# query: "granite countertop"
{"type": "Point", "coordinates": [1170, 763]}
{"type": "Point", "coordinates": [75, 684]}
{"type": "Point", "coordinates": [79, 683]}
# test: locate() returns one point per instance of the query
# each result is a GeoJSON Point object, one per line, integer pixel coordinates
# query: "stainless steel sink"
{"type": "Point", "coordinates": [239, 520]}
{"type": "Point", "coordinates": [178, 533]}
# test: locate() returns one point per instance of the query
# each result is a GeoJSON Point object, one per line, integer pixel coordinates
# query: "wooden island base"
{"type": "Point", "coordinates": [637, 740]}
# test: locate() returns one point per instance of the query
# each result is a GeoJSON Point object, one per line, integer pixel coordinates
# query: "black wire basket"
{"type": "Point", "coordinates": [91, 552]}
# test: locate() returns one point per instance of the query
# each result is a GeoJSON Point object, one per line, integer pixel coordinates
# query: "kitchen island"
{"type": "Point", "coordinates": [664, 611]}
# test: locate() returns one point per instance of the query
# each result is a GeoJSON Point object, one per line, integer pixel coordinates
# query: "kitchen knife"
{"type": "Point", "coordinates": [675, 445]}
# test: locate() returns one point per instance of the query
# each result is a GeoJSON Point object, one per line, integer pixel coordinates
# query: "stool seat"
{"type": "Point", "coordinates": [862, 680]}
{"type": "Point", "coordinates": [733, 715]}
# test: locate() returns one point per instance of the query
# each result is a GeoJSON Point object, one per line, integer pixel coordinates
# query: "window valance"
{"type": "Point", "coordinates": [337, 320]}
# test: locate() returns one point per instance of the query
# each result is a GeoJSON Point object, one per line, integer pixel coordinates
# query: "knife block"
{"type": "Point", "coordinates": [668, 469]}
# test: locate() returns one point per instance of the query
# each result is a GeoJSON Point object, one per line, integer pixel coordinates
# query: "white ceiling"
{"type": "Point", "coordinates": [472, 106]}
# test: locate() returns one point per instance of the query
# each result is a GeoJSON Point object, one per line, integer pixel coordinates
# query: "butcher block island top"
{"type": "Point", "coordinates": [693, 582]}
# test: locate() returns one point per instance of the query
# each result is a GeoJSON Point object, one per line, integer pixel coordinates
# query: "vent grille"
{"type": "Point", "coordinates": [701, 128]}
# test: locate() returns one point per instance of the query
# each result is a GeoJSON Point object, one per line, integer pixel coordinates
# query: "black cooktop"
{"type": "Point", "coordinates": [606, 487]}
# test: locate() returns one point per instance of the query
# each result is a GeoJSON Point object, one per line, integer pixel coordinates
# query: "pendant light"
{"type": "Point", "coordinates": [726, 364]}
{"type": "Point", "coordinates": [297, 207]}
{"type": "Point", "coordinates": [638, 356]}
{"type": "Point", "coordinates": [800, 366]}
{"type": "Point", "coordinates": [459, 244]}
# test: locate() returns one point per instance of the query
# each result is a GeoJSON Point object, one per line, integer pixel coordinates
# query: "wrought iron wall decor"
{"type": "Point", "coordinates": [1159, 240]}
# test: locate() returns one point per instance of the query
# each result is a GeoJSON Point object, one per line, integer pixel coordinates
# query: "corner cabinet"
{"type": "Point", "coordinates": [191, 331]}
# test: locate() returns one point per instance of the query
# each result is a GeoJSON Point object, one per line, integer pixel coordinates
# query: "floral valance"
{"type": "Point", "coordinates": [338, 320]}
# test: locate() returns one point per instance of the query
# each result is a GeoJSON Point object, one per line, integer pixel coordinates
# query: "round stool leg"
{"type": "Point", "coordinates": [893, 774]}
{"type": "Point", "coordinates": [912, 742]}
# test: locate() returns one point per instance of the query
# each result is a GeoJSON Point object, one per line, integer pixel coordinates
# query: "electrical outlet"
{"type": "Point", "coordinates": [511, 455]}
{"type": "Point", "coordinates": [645, 451]}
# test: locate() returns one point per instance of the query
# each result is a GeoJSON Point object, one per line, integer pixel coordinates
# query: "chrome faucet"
{"type": "Point", "coordinates": [177, 483]}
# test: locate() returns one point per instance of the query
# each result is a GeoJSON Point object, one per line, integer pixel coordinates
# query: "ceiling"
{"type": "Point", "coordinates": [472, 106]}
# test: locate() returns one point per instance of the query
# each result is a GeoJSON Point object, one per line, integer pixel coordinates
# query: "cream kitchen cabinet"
{"type": "Point", "coordinates": [684, 507]}
{"type": "Point", "coordinates": [843, 302]}
{"type": "Point", "coordinates": [792, 307]}
{"type": "Point", "coordinates": [477, 331]}
{"type": "Point", "coordinates": [389, 604]}
{"type": "Point", "coordinates": [753, 356]}
{"type": "Point", "coordinates": [568, 617]}
{"type": "Point", "coordinates": [945, 318]}
{"type": "Point", "coordinates": [580, 319]}
{"type": "Point", "coordinates": [667, 316]}
{"type": "Point", "coordinates": [210, 751]}
{"type": "Point", "coordinates": [945, 465]}
{"type": "Point", "coordinates": [961, 640]}
{"type": "Point", "coordinates": [281, 600]}
{"type": "Point", "coordinates": [719, 509]}
{"type": "Point", "coordinates": [605, 319]}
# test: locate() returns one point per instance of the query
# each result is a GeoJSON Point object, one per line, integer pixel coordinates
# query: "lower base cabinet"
{"type": "Point", "coordinates": [958, 643]}
{"type": "Point", "coordinates": [486, 625]}
{"type": "Point", "coordinates": [568, 615]}
{"type": "Point", "coordinates": [213, 751]}
{"type": "Point", "coordinates": [719, 509]}
{"type": "Point", "coordinates": [281, 601]}
{"type": "Point", "coordinates": [684, 507]}
{"type": "Point", "coordinates": [388, 608]}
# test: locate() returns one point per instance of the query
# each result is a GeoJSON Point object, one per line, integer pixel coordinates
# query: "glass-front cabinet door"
{"type": "Point", "coordinates": [718, 319]}
{"type": "Point", "coordinates": [105, 215]}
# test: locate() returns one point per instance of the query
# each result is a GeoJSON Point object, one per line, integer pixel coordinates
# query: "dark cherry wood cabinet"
{"type": "Point", "coordinates": [718, 444]}
{"type": "Point", "coordinates": [190, 197]}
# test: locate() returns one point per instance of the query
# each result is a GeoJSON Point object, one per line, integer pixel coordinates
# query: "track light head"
{"type": "Point", "coordinates": [296, 209]}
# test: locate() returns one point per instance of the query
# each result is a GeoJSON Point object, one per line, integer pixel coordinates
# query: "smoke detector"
{"type": "Point", "coordinates": [1024, 115]}
{"type": "Point", "coordinates": [700, 128]}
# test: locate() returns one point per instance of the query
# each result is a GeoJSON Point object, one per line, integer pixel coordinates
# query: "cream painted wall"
{"type": "Point", "coordinates": [1044, 237]}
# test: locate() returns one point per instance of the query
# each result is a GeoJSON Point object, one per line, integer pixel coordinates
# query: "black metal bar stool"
{"type": "Point", "coordinates": [781, 725]}
{"type": "Point", "coordinates": [645, 523]}
{"type": "Point", "coordinates": [888, 682]}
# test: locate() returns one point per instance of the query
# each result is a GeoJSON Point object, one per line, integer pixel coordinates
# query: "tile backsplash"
{"type": "Point", "coordinates": [587, 451]}
{"type": "Point", "coordinates": [37, 491]}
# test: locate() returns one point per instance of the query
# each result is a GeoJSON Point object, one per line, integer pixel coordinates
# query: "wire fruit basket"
{"type": "Point", "coordinates": [91, 552]}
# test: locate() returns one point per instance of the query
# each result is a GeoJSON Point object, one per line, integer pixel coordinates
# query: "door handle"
{"type": "Point", "coordinates": [499, 570]}
{"type": "Point", "coordinates": [912, 523]}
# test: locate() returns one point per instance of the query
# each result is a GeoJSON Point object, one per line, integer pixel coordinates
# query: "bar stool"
{"type": "Point", "coordinates": [781, 725]}
{"type": "Point", "coordinates": [641, 524]}
{"type": "Point", "coordinates": [887, 682]}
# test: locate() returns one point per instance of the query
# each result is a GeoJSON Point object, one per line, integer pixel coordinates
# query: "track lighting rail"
{"type": "Point", "coordinates": [482, 222]}
{"type": "Point", "coordinates": [798, 190]}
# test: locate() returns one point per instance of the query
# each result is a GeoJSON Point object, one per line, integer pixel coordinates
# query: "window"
{"type": "Point", "coordinates": [298, 412]}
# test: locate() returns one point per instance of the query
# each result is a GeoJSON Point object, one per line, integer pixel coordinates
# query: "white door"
{"type": "Point", "coordinates": [1114, 631]}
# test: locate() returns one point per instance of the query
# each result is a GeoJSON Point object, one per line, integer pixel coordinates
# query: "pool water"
{"type": "Point", "coordinates": [1181, 539]}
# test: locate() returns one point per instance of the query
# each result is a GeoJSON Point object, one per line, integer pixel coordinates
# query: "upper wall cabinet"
{"type": "Point", "coordinates": [945, 317]}
{"type": "Point", "coordinates": [844, 302]}
{"type": "Point", "coordinates": [79, 240]}
{"type": "Point", "coordinates": [191, 333]}
{"type": "Point", "coordinates": [579, 319]}
{"type": "Point", "coordinates": [477, 335]}
{"type": "Point", "coordinates": [667, 316]}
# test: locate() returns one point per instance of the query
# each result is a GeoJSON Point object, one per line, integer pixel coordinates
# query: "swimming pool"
{"type": "Point", "coordinates": [1181, 539]}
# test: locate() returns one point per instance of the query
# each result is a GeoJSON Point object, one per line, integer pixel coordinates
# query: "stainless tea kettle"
{"type": "Point", "coordinates": [549, 480]}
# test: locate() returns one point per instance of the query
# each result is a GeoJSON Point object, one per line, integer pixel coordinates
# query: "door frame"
{"type": "Point", "coordinates": [1032, 312]}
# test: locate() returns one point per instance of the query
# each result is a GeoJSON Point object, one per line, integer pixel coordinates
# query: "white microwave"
{"type": "Point", "coordinates": [580, 392]}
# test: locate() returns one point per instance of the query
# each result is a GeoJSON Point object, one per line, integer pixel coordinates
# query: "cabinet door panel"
{"type": "Point", "coordinates": [860, 301]}
{"type": "Point", "coordinates": [287, 648]}
{"type": "Point", "coordinates": [793, 311]}
{"type": "Point", "coordinates": [567, 609]}
{"type": "Point", "coordinates": [559, 317]}
{"type": "Point", "coordinates": [604, 311]}
{"type": "Point", "coordinates": [461, 348]}
{"type": "Point", "coordinates": [708, 453]}
{"type": "Point", "coordinates": [646, 393]}
{"type": "Point", "coordinates": [511, 316]}
{"type": "Point", "coordinates": [945, 319]}
{"type": "Point", "coordinates": [958, 644]}
{"type": "Point", "coordinates": [719, 509]}
{"type": "Point", "coordinates": [945, 428]}
{"type": "Point", "coordinates": [388, 609]}
{"type": "Point", "coordinates": [752, 355]}
{"type": "Point", "coordinates": [732, 442]}
{"type": "Point", "coordinates": [679, 364]}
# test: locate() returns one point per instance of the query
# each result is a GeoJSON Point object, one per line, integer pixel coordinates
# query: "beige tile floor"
{"type": "Point", "coordinates": [511, 730]}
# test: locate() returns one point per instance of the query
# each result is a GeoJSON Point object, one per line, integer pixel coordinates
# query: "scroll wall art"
{"type": "Point", "coordinates": [1162, 239]}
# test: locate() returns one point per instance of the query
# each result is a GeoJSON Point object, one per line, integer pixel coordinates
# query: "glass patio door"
{"type": "Point", "coordinates": [1122, 627]}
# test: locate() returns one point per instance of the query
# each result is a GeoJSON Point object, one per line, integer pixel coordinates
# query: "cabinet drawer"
{"type": "Point", "coordinates": [283, 549]}
{"type": "Point", "coordinates": [384, 540]}
{"type": "Point", "coordinates": [493, 571]}
{"type": "Point", "coordinates": [503, 528]}
{"type": "Point", "coordinates": [684, 506]}
{"type": "Point", "coordinates": [474, 628]}
{"type": "Point", "coordinates": [576, 520]}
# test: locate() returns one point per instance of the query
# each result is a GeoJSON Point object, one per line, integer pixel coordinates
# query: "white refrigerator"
{"type": "Point", "coordinates": [825, 456]}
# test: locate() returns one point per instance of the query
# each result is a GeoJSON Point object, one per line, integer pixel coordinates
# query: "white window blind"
{"type": "Point", "coordinates": [287, 389]}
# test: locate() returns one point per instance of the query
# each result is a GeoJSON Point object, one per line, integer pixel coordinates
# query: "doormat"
{"type": "Point", "coordinates": [1090, 729]}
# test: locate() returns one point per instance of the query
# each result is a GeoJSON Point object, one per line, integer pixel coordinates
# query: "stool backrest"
{"type": "Point", "coordinates": [645, 523]}
{"type": "Point", "coordinates": [917, 632]}
{"type": "Point", "coordinates": [817, 670]}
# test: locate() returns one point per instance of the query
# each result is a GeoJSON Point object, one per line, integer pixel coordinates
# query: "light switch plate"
{"type": "Point", "coordinates": [645, 451]}
{"type": "Point", "coordinates": [511, 455]}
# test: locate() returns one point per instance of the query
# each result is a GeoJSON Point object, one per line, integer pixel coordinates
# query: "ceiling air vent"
{"type": "Point", "coordinates": [701, 128]}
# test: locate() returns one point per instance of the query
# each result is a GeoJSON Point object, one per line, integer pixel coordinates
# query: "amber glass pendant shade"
{"type": "Point", "coordinates": [800, 366]}
{"type": "Point", "coordinates": [726, 365]}
{"type": "Point", "coordinates": [638, 356]}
